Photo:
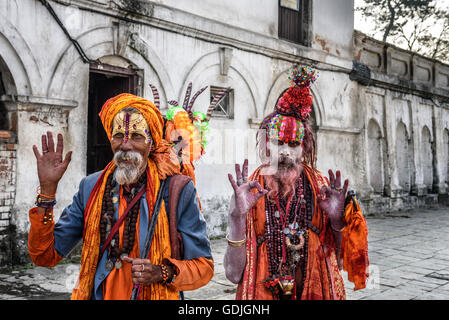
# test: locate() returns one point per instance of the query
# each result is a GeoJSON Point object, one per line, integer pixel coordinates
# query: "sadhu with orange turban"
{"type": "Point", "coordinates": [121, 213]}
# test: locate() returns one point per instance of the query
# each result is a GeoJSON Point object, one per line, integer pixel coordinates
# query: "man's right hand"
{"type": "Point", "coordinates": [50, 165]}
{"type": "Point", "coordinates": [244, 198]}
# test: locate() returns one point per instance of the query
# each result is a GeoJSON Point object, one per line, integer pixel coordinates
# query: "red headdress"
{"type": "Point", "coordinates": [293, 107]}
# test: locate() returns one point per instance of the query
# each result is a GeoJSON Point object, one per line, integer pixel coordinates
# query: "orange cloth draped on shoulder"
{"type": "Point", "coordinates": [323, 279]}
{"type": "Point", "coordinates": [354, 246]}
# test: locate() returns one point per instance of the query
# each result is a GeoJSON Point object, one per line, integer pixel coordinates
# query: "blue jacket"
{"type": "Point", "coordinates": [68, 230]}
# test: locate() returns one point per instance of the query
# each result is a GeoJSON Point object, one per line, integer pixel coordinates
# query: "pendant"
{"type": "Point", "coordinates": [118, 264]}
{"type": "Point", "coordinates": [287, 285]}
{"type": "Point", "coordinates": [109, 265]}
{"type": "Point", "coordinates": [114, 200]}
{"type": "Point", "coordinates": [276, 214]}
{"type": "Point", "coordinates": [286, 231]}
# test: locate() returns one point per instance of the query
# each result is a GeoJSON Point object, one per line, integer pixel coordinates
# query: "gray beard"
{"type": "Point", "coordinates": [126, 174]}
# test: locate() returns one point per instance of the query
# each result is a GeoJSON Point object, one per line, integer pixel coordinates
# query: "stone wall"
{"type": "Point", "coordinates": [405, 111]}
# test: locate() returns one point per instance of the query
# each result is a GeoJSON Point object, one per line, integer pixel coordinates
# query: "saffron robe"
{"type": "Point", "coordinates": [323, 280]}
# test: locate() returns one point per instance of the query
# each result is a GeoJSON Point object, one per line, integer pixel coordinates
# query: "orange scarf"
{"type": "Point", "coordinates": [354, 246]}
{"type": "Point", "coordinates": [160, 247]}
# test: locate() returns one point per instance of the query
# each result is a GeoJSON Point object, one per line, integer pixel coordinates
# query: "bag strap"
{"type": "Point", "coordinates": [177, 184]}
{"type": "Point", "coordinates": [150, 233]}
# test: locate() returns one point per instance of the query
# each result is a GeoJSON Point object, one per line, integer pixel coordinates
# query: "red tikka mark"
{"type": "Point", "coordinates": [290, 129]}
{"type": "Point", "coordinates": [126, 122]}
{"type": "Point", "coordinates": [284, 218]}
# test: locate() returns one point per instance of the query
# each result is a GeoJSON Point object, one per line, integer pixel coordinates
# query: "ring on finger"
{"type": "Point", "coordinates": [44, 151]}
{"type": "Point", "coordinates": [240, 181]}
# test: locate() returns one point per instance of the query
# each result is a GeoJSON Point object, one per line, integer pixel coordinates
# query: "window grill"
{"type": "Point", "coordinates": [224, 108]}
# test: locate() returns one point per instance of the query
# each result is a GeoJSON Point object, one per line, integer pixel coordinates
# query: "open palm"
{"type": "Point", "coordinates": [50, 164]}
{"type": "Point", "coordinates": [331, 199]}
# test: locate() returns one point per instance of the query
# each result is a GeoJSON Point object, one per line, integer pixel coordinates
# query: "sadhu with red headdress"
{"type": "Point", "coordinates": [291, 229]}
{"type": "Point", "coordinates": [141, 239]}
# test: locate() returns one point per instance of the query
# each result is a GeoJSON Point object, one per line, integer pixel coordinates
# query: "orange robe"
{"type": "Point", "coordinates": [323, 278]}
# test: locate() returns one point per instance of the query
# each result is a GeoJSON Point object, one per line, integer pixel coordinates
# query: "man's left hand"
{"type": "Point", "coordinates": [143, 271]}
{"type": "Point", "coordinates": [332, 200]}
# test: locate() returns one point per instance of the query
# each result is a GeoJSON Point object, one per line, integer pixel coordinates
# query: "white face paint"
{"type": "Point", "coordinates": [284, 154]}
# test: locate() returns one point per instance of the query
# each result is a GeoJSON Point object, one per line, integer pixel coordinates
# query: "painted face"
{"type": "Point", "coordinates": [285, 136]}
{"type": "Point", "coordinates": [131, 126]}
{"type": "Point", "coordinates": [284, 154]}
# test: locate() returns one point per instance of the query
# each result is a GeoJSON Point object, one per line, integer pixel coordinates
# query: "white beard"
{"type": "Point", "coordinates": [127, 173]}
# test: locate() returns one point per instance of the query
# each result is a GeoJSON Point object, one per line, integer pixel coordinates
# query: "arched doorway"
{"type": "Point", "coordinates": [427, 158]}
{"type": "Point", "coordinates": [403, 157]}
{"type": "Point", "coordinates": [446, 156]}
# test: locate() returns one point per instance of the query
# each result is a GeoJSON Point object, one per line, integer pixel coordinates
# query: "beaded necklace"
{"type": "Point", "coordinates": [115, 253]}
{"type": "Point", "coordinates": [284, 219]}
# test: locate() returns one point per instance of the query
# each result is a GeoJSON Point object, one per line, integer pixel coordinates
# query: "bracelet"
{"type": "Point", "coordinates": [164, 271]}
{"type": "Point", "coordinates": [44, 202]}
{"type": "Point", "coordinates": [235, 243]}
{"type": "Point", "coordinates": [38, 191]}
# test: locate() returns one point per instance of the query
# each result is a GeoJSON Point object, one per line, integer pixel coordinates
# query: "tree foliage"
{"type": "Point", "coordinates": [418, 25]}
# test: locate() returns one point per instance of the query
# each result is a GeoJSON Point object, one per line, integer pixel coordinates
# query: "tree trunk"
{"type": "Point", "coordinates": [391, 22]}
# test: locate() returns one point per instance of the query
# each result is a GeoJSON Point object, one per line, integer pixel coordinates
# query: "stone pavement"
{"type": "Point", "coordinates": [408, 251]}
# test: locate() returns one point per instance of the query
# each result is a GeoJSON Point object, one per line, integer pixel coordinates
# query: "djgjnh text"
{"type": "Point", "coordinates": [236, 310]}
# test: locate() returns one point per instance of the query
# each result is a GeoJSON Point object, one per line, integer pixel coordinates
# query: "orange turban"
{"type": "Point", "coordinates": [149, 111]}
{"type": "Point", "coordinates": [166, 160]}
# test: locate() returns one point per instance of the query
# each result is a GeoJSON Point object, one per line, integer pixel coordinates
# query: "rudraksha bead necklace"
{"type": "Point", "coordinates": [300, 213]}
{"type": "Point", "coordinates": [107, 222]}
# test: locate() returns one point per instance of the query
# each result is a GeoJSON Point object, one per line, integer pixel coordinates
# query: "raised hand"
{"type": "Point", "coordinates": [332, 199]}
{"type": "Point", "coordinates": [50, 164]}
{"type": "Point", "coordinates": [243, 197]}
